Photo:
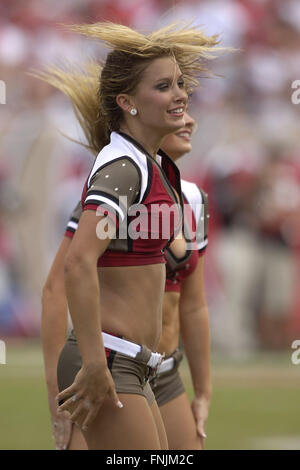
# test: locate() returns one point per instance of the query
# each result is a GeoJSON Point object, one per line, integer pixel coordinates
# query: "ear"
{"type": "Point", "coordinates": [124, 101]}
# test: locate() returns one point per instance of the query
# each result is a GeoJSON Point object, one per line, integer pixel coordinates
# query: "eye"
{"type": "Point", "coordinates": [181, 83]}
{"type": "Point", "coordinates": [162, 86]}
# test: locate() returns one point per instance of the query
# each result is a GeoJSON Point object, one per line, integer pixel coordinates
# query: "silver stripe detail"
{"type": "Point", "coordinates": [107, 201]}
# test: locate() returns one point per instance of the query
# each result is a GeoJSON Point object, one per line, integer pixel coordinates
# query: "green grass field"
{"type": "Point", "coordinates": [255, 403]}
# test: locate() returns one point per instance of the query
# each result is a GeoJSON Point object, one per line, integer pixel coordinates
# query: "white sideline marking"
{"type": "Point", "coordinates": [276, 443]}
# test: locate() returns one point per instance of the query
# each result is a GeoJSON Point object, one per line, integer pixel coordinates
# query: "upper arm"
{"type": "Point", "coordinates": [73, 221]}
{"type": "Point", "coordinates": [86, 244]}
{"type": "Point", "coordinates": [192, 294]}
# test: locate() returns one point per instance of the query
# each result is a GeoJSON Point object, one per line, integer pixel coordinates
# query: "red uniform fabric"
{"type": "Point", "coordinates": [123, 169]}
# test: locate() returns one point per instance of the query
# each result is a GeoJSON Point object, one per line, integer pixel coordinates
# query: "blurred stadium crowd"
{"type": "Point", "coordinates": [246, 155]}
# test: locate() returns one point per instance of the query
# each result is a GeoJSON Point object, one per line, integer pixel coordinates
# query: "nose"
{"type": "Point", "coordinates": [181, 95]}
{"type": "Point", "coordinates": [189, 121]}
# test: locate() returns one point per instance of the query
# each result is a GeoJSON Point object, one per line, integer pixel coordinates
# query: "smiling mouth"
{"type": "Point", "coordinates": [184, 135]}
{"type": "Point", "coordinates": [176, 112]}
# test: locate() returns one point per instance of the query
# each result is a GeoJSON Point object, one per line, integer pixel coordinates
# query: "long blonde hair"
{"type": "Point", "coordinates": [93, 87]}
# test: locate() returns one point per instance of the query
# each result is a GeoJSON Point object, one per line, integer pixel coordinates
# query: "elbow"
{"type": "Point", "coordinates": [77, 265]}
{"type": "Point", "coordinates": [70, 265]}
{"type": "Point", "coordinates": [49, 289]}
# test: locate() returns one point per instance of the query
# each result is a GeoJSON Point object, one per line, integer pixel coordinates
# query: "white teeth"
{"type": "Point", "coordinates": [184, 134]}
{"type": "Point", "coordinates": [177, 111]}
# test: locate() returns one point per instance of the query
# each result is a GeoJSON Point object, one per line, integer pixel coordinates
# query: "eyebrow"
{"type": "Point", "coordinates": [168, 78]}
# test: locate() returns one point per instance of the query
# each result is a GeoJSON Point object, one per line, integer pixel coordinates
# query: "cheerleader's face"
{"type": "Point", "coordinates": [160, 97]}
{"type": "Point", "coordinates": [179, 142]}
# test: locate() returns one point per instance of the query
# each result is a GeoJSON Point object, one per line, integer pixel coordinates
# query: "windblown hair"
{"type": "Point", "coordinates": [81, 85]}
{"type": "Point", "coordinates": [93, 88]}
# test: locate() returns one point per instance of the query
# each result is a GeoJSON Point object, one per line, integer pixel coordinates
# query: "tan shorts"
{"type": "Point", "coordinates": [168, 385]}
{"type": "Point", "coordinates": [129, 375]}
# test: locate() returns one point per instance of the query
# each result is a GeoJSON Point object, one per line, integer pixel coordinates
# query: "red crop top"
{"type": "Point", "coordinates": [136, 192]}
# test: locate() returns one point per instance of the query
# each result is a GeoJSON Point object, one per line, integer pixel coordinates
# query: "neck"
{"type": "Point", "coordinates": [150, 142]}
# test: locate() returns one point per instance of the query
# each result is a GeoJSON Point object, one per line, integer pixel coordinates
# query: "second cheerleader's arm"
{"type": "Point", "coordinates": [194, 329]}
{"type": "Point", "coordinates": [53, 335]}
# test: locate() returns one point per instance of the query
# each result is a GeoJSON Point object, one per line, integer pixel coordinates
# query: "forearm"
{"type": "Point", "coordinates": [53, 332]}
{"type": "Point", "coordinates": [194, 328]}
{"type": "Point", "coordinates": [83, 294]}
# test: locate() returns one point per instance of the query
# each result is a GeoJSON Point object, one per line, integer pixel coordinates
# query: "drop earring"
{"type": "Point", "coordinates": [133, 112]}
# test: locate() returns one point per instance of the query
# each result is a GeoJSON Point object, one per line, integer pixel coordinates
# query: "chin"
{"type": "Point", "coordinates": [184, 147]}
{"type": "Point", "coordinates": [176, 124]}
{"type": "Point", "coordinates": [176, 152]}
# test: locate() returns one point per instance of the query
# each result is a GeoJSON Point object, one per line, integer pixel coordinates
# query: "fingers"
{"type": "Point", "coordinates": [80, 408]}
{"type": "Point", "coordinates": [201, 432]}
{"type": "Point", "coordinates": [114, 397]}
{"type": "Point", "coordinates": [67, 393]}
{"type": "Point", "coordinates": [67, 433]}
{"type": "Point", "coordinates": [202, 441]}
{"type": "Point", "coordinates": [90, 417]}
{"type": "Point", "coordinates": [201, 428]}
{"type": "Point", "coordinates": [61, 432]}
{"type": "Point", "coordinates": [202, 435]}
{"type": "Point", "coordinates": [70, 402]}
{"type": "Point", "coordinates": [84, 404]}
{"type": "Point", "coordinates": [85, 412]}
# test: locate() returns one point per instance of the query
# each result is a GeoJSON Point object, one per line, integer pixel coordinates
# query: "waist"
{"type": "Point", "coordinates": [136, 351]}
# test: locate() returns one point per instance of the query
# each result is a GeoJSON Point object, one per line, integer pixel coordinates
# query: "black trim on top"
{"type": "Point", "coordinates": [188, 253]}
{"type": "Point", "coordinates": [101, 193]}
{"type": "Point", "coordinates": [166, 158]}
{"type": "Point", "coordinates": [181, 260]}
{"type": "Point", "coordinates": [161, 153]}
{"type": "Point", "coordinates": [150, 178]}
{"type": "Point", "coordinates": [135, 143]}
{"type": "Point", "coordinates": [163, 172]}
{"type": "Point", "coordinates": [200, 250]}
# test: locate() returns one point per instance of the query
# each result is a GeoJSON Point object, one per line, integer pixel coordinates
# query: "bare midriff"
{"type": "Point", "coordinates": [169, 339]}
{"type": "Point", "coordinates": [131, 302]}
